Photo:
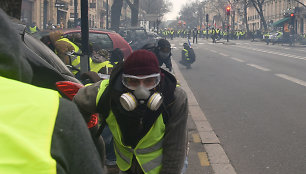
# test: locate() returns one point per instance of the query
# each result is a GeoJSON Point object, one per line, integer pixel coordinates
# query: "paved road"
{"type": "Point", "coordinates": [254, 97]}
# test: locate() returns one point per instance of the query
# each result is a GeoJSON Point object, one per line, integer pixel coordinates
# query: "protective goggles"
{"type": "Point", "coordinates": [133, 82]}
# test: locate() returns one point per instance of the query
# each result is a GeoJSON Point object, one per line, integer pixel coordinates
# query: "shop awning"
{"type": "Point", "coordinates": [280, 22]}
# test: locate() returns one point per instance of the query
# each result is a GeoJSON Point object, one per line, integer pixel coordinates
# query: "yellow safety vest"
{"type": "Point", "coordinates": [27, 118]}
{"type": "Point", "coordinates": [95, 67]}
{"type": "Point", "coordinates": [186, 53]}
{"type": "Point", "coordinates": [148, 151]}
{"type": "Point", "coordinates": [75, 60]}
{"type": "Point", "coordinates": [33, 29]}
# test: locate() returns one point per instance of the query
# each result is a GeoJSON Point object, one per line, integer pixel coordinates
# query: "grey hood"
{"type": "Point", "coordinates": [12, 65]}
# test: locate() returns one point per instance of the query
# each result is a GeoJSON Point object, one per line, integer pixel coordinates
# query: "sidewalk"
{"type": "Point", "coordinates": [203, 141]}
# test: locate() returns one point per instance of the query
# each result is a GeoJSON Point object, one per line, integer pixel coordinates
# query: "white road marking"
{"type": "Point", "coordinates": [276, 53]}
{"type": "Point", "coordinates": [213, 51]}
{"type": "Point", "coordinates": [222, 54]}
{"type": "Point", "coordinates": [238, 60]}
{"type": "Point", "coordinates": [259, 67]}
{"type": "Point", "coordinates": [292, 79]}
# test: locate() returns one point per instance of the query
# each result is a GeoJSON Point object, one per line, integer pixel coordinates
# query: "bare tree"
{"type": "Point", "coordinates": [245, 15]}
{"type": "Point", "coordinates": [217, 7]}
{"type": "Point", "coordinates": [156, 6]}
{"type": "Point", "coordinates": [115, 14]}
{"type": "Point", "coordinates": [233, 4]}
{"type": "Point", "coordinates": [11, 7]}
{"type": "Point", "coordinates": [134, 11]}
{"type": "Point", "coordinates": [258, 6]}
{"type": "Point", "coordinates": [189, 14]}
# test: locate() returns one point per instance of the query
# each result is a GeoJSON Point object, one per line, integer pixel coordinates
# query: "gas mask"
{"type": "Point", "coordinates": [141, 92]}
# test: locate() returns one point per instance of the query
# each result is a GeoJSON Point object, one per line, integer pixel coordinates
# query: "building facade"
{"type": "Point", "coordinates": [279, 11]}
{"type": "Point", "coordinates": [61, 12]}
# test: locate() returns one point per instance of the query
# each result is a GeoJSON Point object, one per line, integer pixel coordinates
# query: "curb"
{"type": "Point", "coordinates": [216, 154]}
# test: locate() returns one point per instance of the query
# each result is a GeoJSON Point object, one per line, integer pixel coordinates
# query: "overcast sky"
{"type": "Point", "coordinates": [177, 5]}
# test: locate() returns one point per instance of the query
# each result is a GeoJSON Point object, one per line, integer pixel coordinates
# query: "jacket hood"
{"type": "Point", "coordinates": [12, 63]}
{"type": "Point", "coordinates": [54, 36]}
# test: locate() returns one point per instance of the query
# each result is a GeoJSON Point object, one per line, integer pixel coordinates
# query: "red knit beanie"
{"type": "Point", "coordinates": [141, 62]}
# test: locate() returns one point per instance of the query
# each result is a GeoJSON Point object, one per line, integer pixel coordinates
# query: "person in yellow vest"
{"type": "Point", "coordinates": [146, 112]}
{"type": "Point", "coordinates": [33, 28]}
{"type": "Point", "coordinates": [213, 35]}
{"type": "Point", "coordinates": [188, 56]}
{"type": "Point", "coordinates": [40, 132]}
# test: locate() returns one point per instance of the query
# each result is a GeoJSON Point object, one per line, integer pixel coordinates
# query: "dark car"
{"type": "Point", "coordinates": [105, 39]}
{"type": "Point", "coordinates": [154, 36]}
{"type": "Point", "coordinates": [98, 38]}
{"type": "Point", "coordinates": [136, 37]}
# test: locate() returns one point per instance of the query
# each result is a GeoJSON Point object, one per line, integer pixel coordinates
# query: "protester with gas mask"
{"type": "Point", "coordinates": [146, 112]}
{"type": "Point", "coordinates": [162, 51]}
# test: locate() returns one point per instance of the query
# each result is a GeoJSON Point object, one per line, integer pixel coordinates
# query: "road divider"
{"type": "Point", "coordinates": [236, 59]}
{"type": "Point", "coordinates": [222, 54]}
{"type": "Point", "coordinates": [259, 67]}
{"type": "Point", "coordinates": [292, 79]}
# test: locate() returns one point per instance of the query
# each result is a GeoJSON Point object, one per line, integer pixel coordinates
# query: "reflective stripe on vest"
{"type": "Point", "coordinates": [186, 52]}
{"type": "Point", "coordinates": [75, 59]}
{"type": "Point", "coordinates": [33, 29]}
{"type": "Point", "coordinates": [148, 151]}
{"type": "Point", "coordinates": [28, 115]}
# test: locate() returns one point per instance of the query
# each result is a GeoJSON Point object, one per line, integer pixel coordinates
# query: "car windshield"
{"type": "Point", "coordinates": [100, 41]}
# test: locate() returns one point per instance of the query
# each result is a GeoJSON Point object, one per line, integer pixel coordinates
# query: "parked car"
{"type": "Point", "coordinates": [154, 36]}
{"type": "Point", "coordinates": [276, 37]}
{"type": "Point", "coordinates": [99, 38]}
{"type": "Point", "coordinates": [136, 37]}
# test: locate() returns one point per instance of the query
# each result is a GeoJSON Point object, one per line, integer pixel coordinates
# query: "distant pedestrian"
{"type": "Point", "coordinates": [195, 35]}
{"type": "Point", "coordinates": [33, 28]}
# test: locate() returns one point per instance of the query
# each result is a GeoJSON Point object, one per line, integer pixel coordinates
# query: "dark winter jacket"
{"type": "Point", "coordinates": [71, 145]}
{"type": "Point", "coordinates": [175, 118]}
{"type": "Point", "coordinates": [154, 48]}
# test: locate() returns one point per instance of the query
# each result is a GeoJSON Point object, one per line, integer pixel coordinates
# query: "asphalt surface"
{"type": "Point", "coordinates": [253, 95]}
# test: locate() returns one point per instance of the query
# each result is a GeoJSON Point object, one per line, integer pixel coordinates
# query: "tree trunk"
{"type": "Point", "coordinates": [233, 21]}
{"type": "Point", "coordinates": [258, 7]}
{"type": "Point", "coordinates": [263, 18]}
{"type": "Point", "coordinates": [11, 7]}
{"type": "Point", "coordinates": [134, 11]}
{"type": "Point", "coordinates": [245, 17]}
{"type": "Point", "coordinates": [115, 14]}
